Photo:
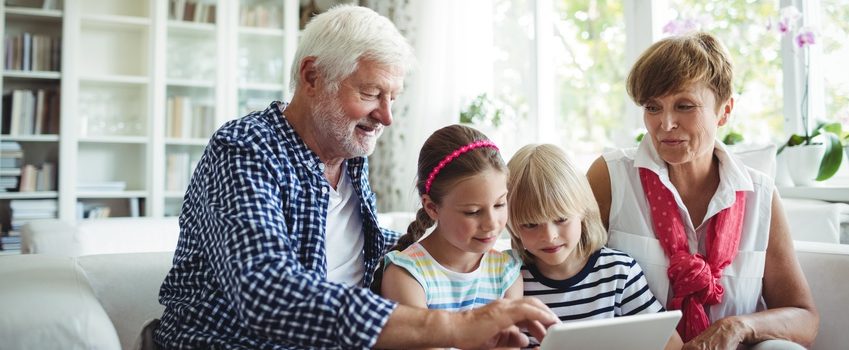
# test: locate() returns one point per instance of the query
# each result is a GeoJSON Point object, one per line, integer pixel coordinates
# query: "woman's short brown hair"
{"type": "Point", "coordinates": [671, 64]}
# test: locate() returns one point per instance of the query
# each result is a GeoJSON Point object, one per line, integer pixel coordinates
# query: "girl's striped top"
{"type": "Point", "coordinates": [456, 291]}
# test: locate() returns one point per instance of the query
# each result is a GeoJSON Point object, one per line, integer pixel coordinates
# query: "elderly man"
{"type": "Point", "coordinates": [278, 233]}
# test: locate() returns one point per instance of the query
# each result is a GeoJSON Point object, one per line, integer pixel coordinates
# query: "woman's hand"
{"type": "Point", "coordinates": [726, 333]}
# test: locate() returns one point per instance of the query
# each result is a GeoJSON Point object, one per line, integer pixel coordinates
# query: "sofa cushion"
{"type": "Point", "coordinates": [101, 236]}
{"type": "Point", "coordinates": [47, 304]}
{"type": "Point", "coordinates": [127, 286]}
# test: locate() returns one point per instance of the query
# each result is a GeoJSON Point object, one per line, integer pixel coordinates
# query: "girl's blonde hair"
{"type": "Point", "coordinates": [671, 64]}
{"type": "Point", "coordinates": [543, 186]}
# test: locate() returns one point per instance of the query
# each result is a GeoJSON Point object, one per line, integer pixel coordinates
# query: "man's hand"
{"type": "Point", "coordinates": [497, 324]}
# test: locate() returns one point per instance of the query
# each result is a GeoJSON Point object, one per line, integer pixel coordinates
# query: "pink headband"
{"type": "Point", "coordinates": [454, 155]}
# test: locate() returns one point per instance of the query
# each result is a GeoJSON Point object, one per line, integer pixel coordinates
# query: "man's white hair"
{"type": "Point", "coordinates": [342, 36]}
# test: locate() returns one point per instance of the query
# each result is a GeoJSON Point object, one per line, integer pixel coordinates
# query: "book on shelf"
{"type": "Point", "coordinates": [92, 211]}
{"type": "Point", "coordinates": [28, 176]}
{"type": "Point", "coordinates": [191, 11]}
{"type": "Point", "coordinates": [134, 204]}
{"type": "Point", "coordinates": [31, 112]}
{"type": "Point", "coordinates": [37, 178]}
{"type": "Point", "coordinates": [33, 52]}
{"type": "Point", "coordinates": [188, 119]}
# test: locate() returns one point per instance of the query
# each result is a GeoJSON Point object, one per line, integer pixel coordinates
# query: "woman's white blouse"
{"type": "Point", "coordinates": [631, 230]}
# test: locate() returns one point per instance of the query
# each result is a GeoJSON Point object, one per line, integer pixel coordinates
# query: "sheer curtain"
{"type": "Point", "coordinates": [453, 44]}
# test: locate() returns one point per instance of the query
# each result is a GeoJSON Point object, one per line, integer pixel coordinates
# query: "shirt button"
{"type": "Point", "coordinates": [321, 166]}
{"type": "Point", "coordinates": [324, 190]}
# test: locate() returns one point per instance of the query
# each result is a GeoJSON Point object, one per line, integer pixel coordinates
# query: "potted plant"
{"type": "Point", "coordinates": [809, 159]}
{"type": "Point", "coordinates": [846, 143]}
{"type": "Point", "coordinates": [815, 155]}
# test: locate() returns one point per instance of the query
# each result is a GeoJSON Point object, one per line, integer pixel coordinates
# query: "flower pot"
{"type": "Point", "coordinates": [803, 163]}
{"type": "Point", "coordinates": [846, 150]}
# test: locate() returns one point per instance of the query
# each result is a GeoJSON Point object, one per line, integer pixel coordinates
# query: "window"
{"type": "Point", "coordinates": [577, 51]}
{"type": "Point", "coordinates": [742, 25]}
{"type": "Point", "coordinates": [835, 50]}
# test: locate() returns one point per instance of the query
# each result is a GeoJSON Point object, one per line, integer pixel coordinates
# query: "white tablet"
{"type": "Point", "coordinates": [648, 331]}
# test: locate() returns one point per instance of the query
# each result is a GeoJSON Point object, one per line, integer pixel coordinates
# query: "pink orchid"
{"type": "Point", "coordinates": [805, 36]}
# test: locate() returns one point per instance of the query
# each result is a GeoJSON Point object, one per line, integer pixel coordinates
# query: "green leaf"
{"type": "Point", "coordinates": [732, 138]}
{"type": "Point", "coordinates": [794, 140]}
{"type": "Point", "coordinates": [639, 137]}
{"type": "Point", "coordinates": [833, 157]}
{"type": "Point", "coordinates": [834, 128]}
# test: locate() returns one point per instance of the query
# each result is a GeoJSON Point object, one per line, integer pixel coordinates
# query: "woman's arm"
{"type": "Point", "coordinates": [791, 313]}
{"type": "Point", "coordinates": [599, 179]}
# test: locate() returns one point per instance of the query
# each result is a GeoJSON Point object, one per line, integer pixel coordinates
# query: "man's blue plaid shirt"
{"type": "Point", "coordinates": [250, 269]}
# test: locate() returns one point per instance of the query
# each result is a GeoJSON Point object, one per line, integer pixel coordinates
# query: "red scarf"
{"type": "Point", "coordinates": [694, 278]}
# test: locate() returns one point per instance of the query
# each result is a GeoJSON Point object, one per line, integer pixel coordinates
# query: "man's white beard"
{"type": "Point", "coordinates": [332, 125]}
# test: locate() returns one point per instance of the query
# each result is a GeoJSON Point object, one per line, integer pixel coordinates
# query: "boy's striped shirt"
{"type": "Point", "coordinates": [611, 284]}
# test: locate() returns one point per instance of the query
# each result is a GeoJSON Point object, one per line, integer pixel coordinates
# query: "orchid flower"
{"type": "Point", "coordinates": [805, 36]}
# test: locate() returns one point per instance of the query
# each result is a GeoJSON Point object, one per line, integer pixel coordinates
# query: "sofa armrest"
{"type": "Point", "coordinates": [48, 304]}
{"type": "Point", "coordinates": [127, 286]}
{"type": "Point", "coordinates": [825, 266]}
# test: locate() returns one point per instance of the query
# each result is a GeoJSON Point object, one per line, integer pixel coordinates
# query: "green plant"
{"type": "Point", "coordinates": [732, 138]}
{"type": "Point", "coordinates": [482, 110]}
{"type": "Point", "coordinates": [833, 156]}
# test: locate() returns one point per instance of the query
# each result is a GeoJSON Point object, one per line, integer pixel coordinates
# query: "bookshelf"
{"type": "Point", "coordinates": [139, 85]}
{"type": "Point", "coordinates": [30, 134]}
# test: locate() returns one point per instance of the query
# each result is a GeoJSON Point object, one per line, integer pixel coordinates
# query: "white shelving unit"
{"type": "Point", "coordinates": [127, 68]}
{"type": "Point", "coordinates": [28, 68]}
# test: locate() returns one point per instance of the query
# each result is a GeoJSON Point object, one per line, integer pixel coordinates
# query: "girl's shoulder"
{"type": "Point", "coordinates": [503, 257]}
{"type": "Point", "coordinates": [413, 255]}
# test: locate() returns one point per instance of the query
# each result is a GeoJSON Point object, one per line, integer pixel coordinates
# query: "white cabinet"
{"type": "Point", "coordinates": [140, 85]}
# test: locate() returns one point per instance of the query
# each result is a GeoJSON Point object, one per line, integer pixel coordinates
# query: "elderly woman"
{"type": "Point", "coordinates": [709, 232]}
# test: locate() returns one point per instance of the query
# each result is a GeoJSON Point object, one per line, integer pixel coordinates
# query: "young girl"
{"type": "Point", "coordinates": [556, 229]}
{"type": "Point", "coordinates": [462, 181]}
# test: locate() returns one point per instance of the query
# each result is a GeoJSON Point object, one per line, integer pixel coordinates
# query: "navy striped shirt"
{"type": "Point", "coordinates": [611, 284]}
{"type": "Point", "coordinates": [250, 266]}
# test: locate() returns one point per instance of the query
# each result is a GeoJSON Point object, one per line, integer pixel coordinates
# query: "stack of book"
{"type": "Point", "coordinates": [26, 210]}
{"type": "Point", "coordinates": [31, 112]}
{"type": "Point", "coordinates": [11, 157]}
{"type": "Point", "coordinates": [10, 245]}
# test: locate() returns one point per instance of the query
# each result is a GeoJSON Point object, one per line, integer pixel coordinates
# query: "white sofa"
{"type": "Point", "coordinates": [128, 235]}
{"type": "Point", "coordinates": [60, 301]}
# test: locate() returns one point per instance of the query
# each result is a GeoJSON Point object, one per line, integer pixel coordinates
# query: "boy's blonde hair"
{"type": "Point", "coordinates": [543, 186]}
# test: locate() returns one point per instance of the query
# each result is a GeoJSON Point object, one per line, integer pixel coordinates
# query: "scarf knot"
{"type": "Point", "coordinates": [692, 277]}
